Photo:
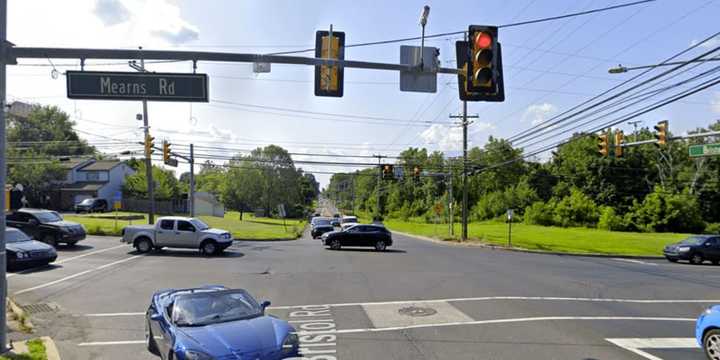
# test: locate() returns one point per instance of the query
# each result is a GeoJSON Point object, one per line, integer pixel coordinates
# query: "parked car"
{"type": "Point", "coordinates": [91, 205]}
{"type": "Point", "coordinates": [318, 230]}
{"type": "Point", "coordinates": [214, 322]}
{"type": "Point", "coordinates": [335, 222]}
{"type": "Point", "coordinates": [21, 251]}
{"type": "Point", "coordinates": [177, 232]}
{"type": "Point", "coordinates": [347, 221]}
{"type": "Point", "coordinates": [707, 332]}
{"type": "Point", "coordinates": [46, 225]}
{"type": "Point", "coordinates": [696, 249]}
{"type": "Point", "coordinates": [359, 235]}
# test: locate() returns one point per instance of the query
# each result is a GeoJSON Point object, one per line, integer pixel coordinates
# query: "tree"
{"type": "Point", "coordinates": [46, 130]}
{"type": "Point", "coordinates": [167, 186]}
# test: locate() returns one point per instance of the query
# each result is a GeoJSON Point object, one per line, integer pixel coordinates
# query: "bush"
{"type": "Point", "coordinates": [664, 211]}
{"type": "Point", "coordinates": [491, 205]}
{"type": "Point", "coordinates": [609, 220]}
{"type": "Point", "coordinates": [712, 228]}
{"type": "Point", "coordinates": [540, 213]}
{"type": "Point", "coordinates": [577, 209]}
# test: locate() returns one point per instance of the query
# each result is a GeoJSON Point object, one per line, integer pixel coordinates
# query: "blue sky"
{"type": "Point", "coordinates": [548, 67]}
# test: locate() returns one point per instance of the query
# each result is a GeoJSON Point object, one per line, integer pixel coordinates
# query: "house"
{"type": "Point", "coordinates": [89, 178]}
{"type": "Point", "coordinates": [207, 204]}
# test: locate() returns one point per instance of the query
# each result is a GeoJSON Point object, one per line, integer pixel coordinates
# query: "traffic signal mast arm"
{"type": "Point", "coordinates": [690, 136]}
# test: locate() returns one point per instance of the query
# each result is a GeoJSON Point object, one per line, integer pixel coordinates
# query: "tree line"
{"type": "Point", "coordinates": [649, 188]}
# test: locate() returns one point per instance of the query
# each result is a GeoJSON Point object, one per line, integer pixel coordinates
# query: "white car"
{"type": "Point", "coordinates": [348, 221]}
{"type": "Point", "coordinates": [177, 232]}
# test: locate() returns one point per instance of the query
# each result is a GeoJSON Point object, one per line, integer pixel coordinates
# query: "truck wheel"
{"type": "Point", "coordinates": [208, 247]}
{"type": "Point", "coordinates": [143, 245]}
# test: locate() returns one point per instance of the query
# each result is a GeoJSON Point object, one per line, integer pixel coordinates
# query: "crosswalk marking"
{"type": "Point", "coordinates": [635, 345]}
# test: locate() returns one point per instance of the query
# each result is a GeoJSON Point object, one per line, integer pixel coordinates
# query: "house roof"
{"type": "Point", "coordinates": [101, 165]}
{"type": "Point", "coordinates": [73, 163]}
{"type": "Point", "coordinates": [83, 186]}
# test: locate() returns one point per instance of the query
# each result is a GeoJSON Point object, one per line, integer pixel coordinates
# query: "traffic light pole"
{"type": "Point", "coordinates": [3, 279]}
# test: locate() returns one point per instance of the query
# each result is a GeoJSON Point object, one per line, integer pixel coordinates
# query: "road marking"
{"type": "Point", "coordinates": [66, 260]}
{"type": "Point", "coordinates": [331, 330]}
{"type": "Point", "coordinates": [635, 261]}
{"type": "Point", "coordinates": [635, 344]}
{"type": "Point", "coordinates": [69, 277]}
{"type": "Point", "coordinates": [488, 298]}
{"type": "Point", "coordinates": [494, 321]}
{"type": "Point", "coordinates": [107, 343]}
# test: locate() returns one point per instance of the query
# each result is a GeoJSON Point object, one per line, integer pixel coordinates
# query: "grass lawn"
{"type": "Point", "coordinates": [547, 238]}
{"type": "Point", "coordinates": [250, 228]}
{"type": "Point", "coordinates": [36, 351]}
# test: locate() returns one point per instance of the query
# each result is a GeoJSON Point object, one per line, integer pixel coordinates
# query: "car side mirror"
{"type": "Point", "coordinates": [32, 222]}
{"type": "Point", "coordinates": [156, 317]}
{"type": "Point", "coordinates": [265, 304]}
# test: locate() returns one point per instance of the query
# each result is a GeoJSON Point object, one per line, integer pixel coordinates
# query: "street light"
{"type": "Point", "coordinates": [424, 15]}
{"type": "Point", "coordinates": [423, 21]}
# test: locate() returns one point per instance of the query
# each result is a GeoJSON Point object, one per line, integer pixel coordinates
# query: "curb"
{"type": "Point", "coordinates": [516, 249]}
{"type": "Point", "coordinates": [20, 313]}
{"type": "Point", "coordinates": [50, 348]}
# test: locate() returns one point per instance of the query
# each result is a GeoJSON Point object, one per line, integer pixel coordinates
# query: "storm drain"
{"type": "Point", "coordinates": [39, 308]}
{"type": "Point", "coordinates": [416, 311]}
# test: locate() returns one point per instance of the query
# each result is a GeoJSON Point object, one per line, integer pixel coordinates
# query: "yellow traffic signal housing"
{"type": "Point", "coordinates": [416, 171]}
{"type": "Point", "coordinates": [149, 145]}
{"type": "Point", "coordinates": [166, 151]}
{"type": "Point", "coordinates": [387, 171]}
{"type": "Point", "coordinates": [603, 146]}
{"type": "Point", "coordinates": [619, 142]}
{"type": "Point", "coordinates": [479, 63]}
{"type": "Point", "coordinates": [329, 78]}
{"type": "Point", "coordinates": [661, 133]}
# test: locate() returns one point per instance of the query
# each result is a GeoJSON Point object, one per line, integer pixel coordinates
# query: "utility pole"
{"type": "Point", "coordinates": [192, 181]}
{"type": "Point", "coordinates": [379, 182]}
{"type": "Point", "coordinates": [148, 159]}
{"type": "Point", "coordinates": [464, 116]}
{"type": "Point", "coordinates": [3, 104]}
{"type": "Point", "coordinates": [635, 125]}
{"type": "Point", "coordinates": [450, 204]}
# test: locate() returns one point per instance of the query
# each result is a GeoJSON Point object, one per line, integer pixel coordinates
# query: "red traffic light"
{"type": "Point", "coordinates": [483, 40]}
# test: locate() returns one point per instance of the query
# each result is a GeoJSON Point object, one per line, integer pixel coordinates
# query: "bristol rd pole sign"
{"type": "Point", "coordinates": [704, 150]}
{"type": "Point", "coordinates": [137, 86]}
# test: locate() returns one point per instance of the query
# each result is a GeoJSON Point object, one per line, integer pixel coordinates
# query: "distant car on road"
{"type": "Point", "coordinates": [359, 235]}
{"type": "Point", "coordinates": [214, 322]}
{"type": "Point", "coordinates": [319, 230]}
{"type": "Point", "coordinates": [335, 222]}
{"type": "Point", "coordinates": [347, 221]}
{"type": "Point", "coordinates": [46, 225]}
{"type": "Point", "coordinates": [177, 232]}
{"type": "Point", "coordinates": [696, 249]}
{"type": "Point", "coordinates": [24, 252]}
{"type": "Point", "coordinates": [707, 332]}
{"type": "Point", "coordinates": [319, 220]}
{"type": "Point", "coordinates": [91, 205]}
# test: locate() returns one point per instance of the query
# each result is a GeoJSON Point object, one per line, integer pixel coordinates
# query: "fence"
{"type": "Point", "coordinates": [165, 207]}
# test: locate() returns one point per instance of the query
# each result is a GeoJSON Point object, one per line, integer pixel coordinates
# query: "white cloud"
{"type": "Point", "coordinates": [449, 138]}
{"type": "Point", "coordinates": [710, 44]}
{"type": "Point", "coordinates": [715, 103]}
{"type": "Point", "coordinates": [538, 113]}
{"type": "Point", "coordinates": [111, 12]}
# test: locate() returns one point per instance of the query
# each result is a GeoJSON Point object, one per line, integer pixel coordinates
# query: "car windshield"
{"type": "Point", "coordinates": [15, 236]}
{"type": "Point", "coordinates": [200, 224]}
{"type": "Point", "coordinates": [321, 222]}
{"type": "Point", "coordinates": [694, 240]}
{"type": "Point", "coordinates": [48, 217]}
{"type": "Point", "coordinates": [87, 202]}
{"type": "Point", "coordinates": [349, 220]}
{"type": "Point", "coordinates": [206, 308]}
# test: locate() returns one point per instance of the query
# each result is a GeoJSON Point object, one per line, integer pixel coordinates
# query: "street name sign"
{"type": "Point", "coordinates": [149, 86]}
{"type": "Point", "coordinates": [704, 150]}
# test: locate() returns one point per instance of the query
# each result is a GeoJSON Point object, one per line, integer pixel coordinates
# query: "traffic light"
{"type": "Point", "coordinates": [496, 92]}
{"type": "Point", "coordinates": [387, 171]}
{"type": "Point", "coordinates": [166, 151]}
{"type": "Point", "coordinates": [329, 78]}
{"type": "Point", "coordinates": [149, 145]}
{"type": "Point", "coordinates": [619, 141]}
{"type": "Point", "coordinates": [603, 146]}
{"type": "Point", "coordinates": [416, 171]}
{"type": "Point", "coordinates": [661, 133]}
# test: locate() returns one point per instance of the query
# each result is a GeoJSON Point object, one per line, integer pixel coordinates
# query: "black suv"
{"type": "Point", "coordinates": [46, 225]}
{"type": "Point", "coordinates": [91, 205]}
{"type": "Point", "coordinates": [359, 235]}
{"type": "Point", "coordinates": [695, 249]}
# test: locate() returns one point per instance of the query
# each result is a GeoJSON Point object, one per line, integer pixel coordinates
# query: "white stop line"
{"type": "Point", "coordinates": [635, 344]}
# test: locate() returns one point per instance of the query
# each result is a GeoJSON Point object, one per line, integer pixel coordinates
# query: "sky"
{"type": "Point", "coordinates": [548, 68]}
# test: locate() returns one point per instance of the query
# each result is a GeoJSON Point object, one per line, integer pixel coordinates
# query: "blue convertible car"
{"type": "Point", "coordinates": [707, 332]}
{"type": "Point", "coordinates": [214, 322]}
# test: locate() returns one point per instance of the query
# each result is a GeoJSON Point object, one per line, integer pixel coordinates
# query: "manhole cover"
{"type": "Point", "coordinates": [39, 308]}
{"type": "Point", "coordinates": [416, 311]}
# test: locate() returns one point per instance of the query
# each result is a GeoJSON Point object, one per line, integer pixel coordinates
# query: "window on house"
{"type": "Point", "coordinates": [93, 175]}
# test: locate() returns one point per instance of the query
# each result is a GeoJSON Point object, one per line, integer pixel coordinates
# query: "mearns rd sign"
{"type": "Point", "coordinates": [137, 86]}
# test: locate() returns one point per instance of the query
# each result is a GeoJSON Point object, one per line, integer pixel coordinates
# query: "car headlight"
{"type": "Point", "coordinates": [197, 355]}
{"type": "Point", "coordinates": [684, 249]}
{"type": "Point", "coordinates": [708, 311]}
{"type": "Point", "coordinates": [290, 344]}
{"type": "Point", "coordinates": [21, 255]}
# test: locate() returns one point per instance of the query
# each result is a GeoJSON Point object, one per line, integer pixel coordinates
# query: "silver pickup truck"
{"type": "Point", "coordinates": [177, 232]}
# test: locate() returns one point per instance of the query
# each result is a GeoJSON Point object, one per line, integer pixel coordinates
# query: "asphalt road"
{"type": "Point", "coordinates": [420, 300]}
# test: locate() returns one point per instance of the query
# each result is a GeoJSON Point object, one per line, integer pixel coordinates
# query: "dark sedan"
{"type": "Point", "coordinates": [695, 249]}
{"type": "Point", "coordinates": [319, 230]}
{"type": "Point", "coordinates": [24, 252]}
{"type": "Point", "coordinates": [359, 235]}
{"type": "Point", "coordinates": [46, 225]}
{"type": "Point", "coordinates": [92, 205]}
